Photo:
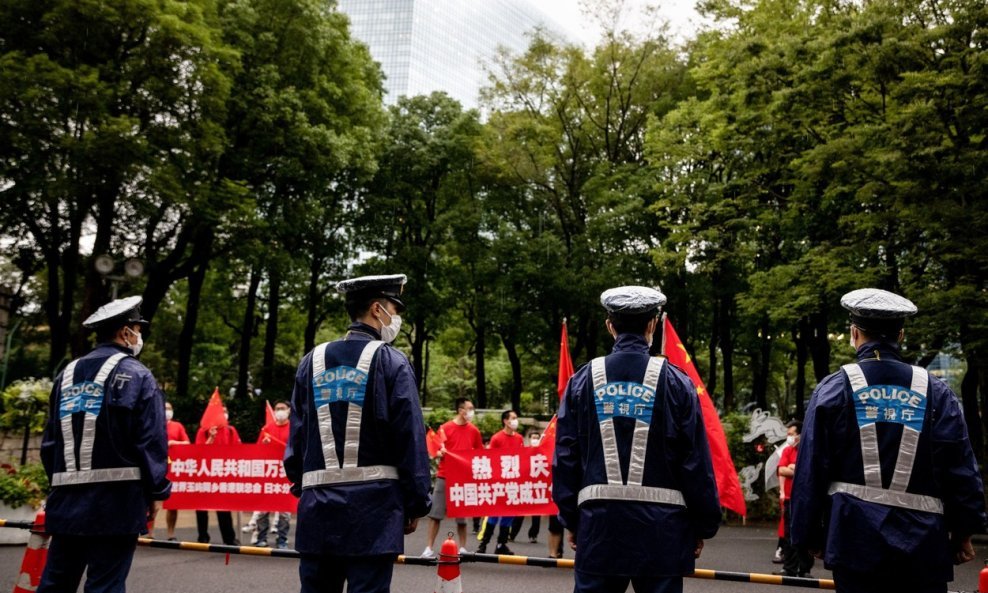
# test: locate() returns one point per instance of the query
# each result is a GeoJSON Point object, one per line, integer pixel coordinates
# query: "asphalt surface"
{"type": "Point", "coordinates": [736, 548]}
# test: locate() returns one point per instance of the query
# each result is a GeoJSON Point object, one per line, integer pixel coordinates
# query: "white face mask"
{"type": "Point", "coordinates": [534, 441]}
{"type": "Point", "coordinates": [470, 416]}
{"type": "Point", "coordinates": [390, 331]}
{"type": "Point", "coordinates": [169, 414]}
{"type": "Point", "coordinates": [513, 424]}
{"type": "Point", "coordinates": [281, 415]}
{"type": "Point", "coordinates": [136, 348]}
{"type": "Point", "coordinates": [790, 440]}
{"type": "Point", "coordinates": [226, 416]}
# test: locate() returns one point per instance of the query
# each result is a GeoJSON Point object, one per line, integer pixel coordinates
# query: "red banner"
{"type": "Point", "coordinates": [229, 478]}
{"type": "Point", "coordinates": [499, 483]}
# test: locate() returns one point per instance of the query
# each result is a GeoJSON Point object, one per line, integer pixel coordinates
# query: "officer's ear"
{"type": "Point", "coordinates": [902, 335]}
{"type": "Point", "coordinates": [610, 328]}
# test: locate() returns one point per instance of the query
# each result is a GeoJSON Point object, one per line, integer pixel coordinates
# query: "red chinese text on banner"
{"type": "Point", "coordinates": [229, 478]}
{"type": "Point", "coordinates": [499, 483]}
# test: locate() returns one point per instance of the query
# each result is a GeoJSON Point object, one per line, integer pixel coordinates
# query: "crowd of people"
{"type": "Point", "coordinates": [879, 480]}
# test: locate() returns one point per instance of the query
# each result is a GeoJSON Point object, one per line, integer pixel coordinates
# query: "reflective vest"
{"type": "Point", "coordinates": [342, 385]}
{"type": "Point", "coordinates": [893, 404]}
{"type": "Point", "coordinates": [86, 396]}
{"type": "Point", "coordinates": [630, 400]}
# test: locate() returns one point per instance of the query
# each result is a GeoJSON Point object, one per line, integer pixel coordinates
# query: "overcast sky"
{"type": "Point", "coordinates": [681, 14]}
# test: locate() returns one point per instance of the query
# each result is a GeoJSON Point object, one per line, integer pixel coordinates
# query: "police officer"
{"type": "Point", "coordinates": [356, 453]}
{"type": "Point", "coordinates": [632, 475]}
{"type": "Point", "coordinates": [886, 485]}
{"type": "Point", "coordinates": [105, 451]}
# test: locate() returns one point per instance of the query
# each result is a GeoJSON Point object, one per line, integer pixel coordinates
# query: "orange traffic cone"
{"type": "Point", "coordinates": [449, 568]}
{"type": "Point", "coordinates": [34, 557]}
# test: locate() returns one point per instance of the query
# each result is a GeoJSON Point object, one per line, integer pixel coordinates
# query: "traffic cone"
{"type": "Point", "coordinates": [34, 557]}
{"type": "Point", "coordinates": [449, 568]}
{"type": "Point", "coordinates": [983, 579]}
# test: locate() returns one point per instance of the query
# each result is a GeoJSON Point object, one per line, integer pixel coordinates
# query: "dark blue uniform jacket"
{"type": "Point", "coordinates": [866, 537]}
{"type": "Point", "coordinates": [636, 538]}
{"type": "Point", "coordinates": [130, 432]}
{"type": "Point", "coordinates": [367, 518]}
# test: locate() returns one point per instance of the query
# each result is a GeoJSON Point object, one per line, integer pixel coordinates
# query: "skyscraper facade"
{"type": "Point", "coordinates": [441, 45]}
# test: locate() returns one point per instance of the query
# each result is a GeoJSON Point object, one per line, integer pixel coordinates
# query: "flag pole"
{"type": "Point", "coordinates": [664, 315]}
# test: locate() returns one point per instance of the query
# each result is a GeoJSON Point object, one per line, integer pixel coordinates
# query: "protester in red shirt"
{"type": "Point", "coordinates": [176, 436]}
{"type": "Point", "coordinates": [274, 433]}
{"type": "Point", "coordinates": [506, 438]}
{"type": "Point", "coordinates": [795, 562]}
{"type": "Point", "coordinates": [215, 435]}
{"type": "Point", "coordinates": [461, 435]}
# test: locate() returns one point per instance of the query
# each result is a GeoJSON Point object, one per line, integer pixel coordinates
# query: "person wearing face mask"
{"type": "Point", "coordinates": [796, 562]}
{"type": "Point", "coordinates": [632, 474]}
{"type": "Point", "coordinates": [506, 438]}
{"type": "Point", "coordinates": [461, 435]}
{"type": "Point", "coordinates": [274, 433]}
{"type": "Point", "coordinates": [887, 490]}
{"type": "Point", "coordinates": [216, 435]}
{"type": "Point", "coordinates": [105, 452]}
{"type": "Point", "coordinates": [356, 453]}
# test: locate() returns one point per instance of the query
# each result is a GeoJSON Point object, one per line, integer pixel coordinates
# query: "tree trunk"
{"type": "Point", "coordinates": [762, 365]}
{"type": "Point", "coordinates": [819, 344]}
{"type": "Point", "coordinates": [712, 354]}
{"type": "Point", "coordinates": [246, 335]}
{"type": "Point", "coordinates": [480, 353]}
{"type": "Point", "coordinates": [424, 392]}
{"type": "Point", "coordinates": [59, 339]}
{"type": "Point", "coordinates": [418, 352]}
{"type": "Point", "coordinates": [726, 341]}
{"type": "Point", "coordinates": [271, 329]}
{"type": "Point", "coordinates": [186, 338]}
{"type": "Point", "coordinates": [312, 303]}
{"type": "Point", "coordinates": [515, 360]}
{"type": "Point", "coordinates": [803, 332]}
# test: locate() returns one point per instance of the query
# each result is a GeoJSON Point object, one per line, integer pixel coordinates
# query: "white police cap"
{"type": "Point", "coordinates": [120, 311]}
{"type": "Point", "coordinates": [632, 300]}
{"type": "Point", "coordinates": [874, 303]}
{"type": "Point", "coordinates": [388, 286]}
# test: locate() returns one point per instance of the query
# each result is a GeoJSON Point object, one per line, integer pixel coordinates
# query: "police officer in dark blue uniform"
{"type": "Point", "coordinates": [632, 474]}
{"type": "Point", "coordinates": [886, 488]}
{"type": "Point", "coordinates": [356, 453]}
{"type": "Point", "coordinates": [105, 451]}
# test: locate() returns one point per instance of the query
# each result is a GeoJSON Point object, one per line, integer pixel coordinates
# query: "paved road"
{"type": "Point", "coordinates": [736, 548]}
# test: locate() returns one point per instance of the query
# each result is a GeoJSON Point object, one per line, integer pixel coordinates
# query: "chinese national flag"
{"type": "Point", "coordinates": [213, 416]}
{"type": "Point", "coordinates": [434, 441]}
{"type": "Point", "coordinates": [728, 485]}
{"type": "Point", "coordinates": [547, 444]}
{"type": "Point", "coordinates": [565, 362]}
{"type": "Point", "coordinates": [268, 413]}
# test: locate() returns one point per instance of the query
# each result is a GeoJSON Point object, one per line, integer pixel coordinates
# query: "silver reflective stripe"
{"type": "Point", "coordinates": [351, 442]}
{"type": "Point", "coordinates": [93, 476]}
{"type": "Point", "coordinates": [322, 413]}
{"type": "Point", "coordinates": [910, 438]}
{"type": "Point", "coordinates": [639, 443]}
{"type": "Point", "coordinates": [68, 439]}
{"type": "Point", "coordinates": [608, 438]}
{"type": "Point", "coordinates": [904, 500]}
{"type": "Point", "coordinates": [631, 493]}
{"type": "Point", "coordinates": [89, 420]}
{"type": "Point", "coordinates": [869, 434]}
{"type": "Point", "coordinates": [348, 475]}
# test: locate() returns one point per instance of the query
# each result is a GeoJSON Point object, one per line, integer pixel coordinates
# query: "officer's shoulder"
{"type": "Point", "coordinates": [394, 355]}
{"type": "Point", "coordinates": [831, 388]}
{"type": "Point", "coordinates": [132, 365]}
{"type": "Point", "coordinates": [677, 374]}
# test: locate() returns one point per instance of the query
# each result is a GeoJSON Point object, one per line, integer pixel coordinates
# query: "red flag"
{"type": "Point", "coordinates": [547, 444]}
{"type": "Point", "coordinates": [728, 485]}
{"type": "Point", "coordinates": [432, 443]}
{"type": "Point", "coordinates": [268, 413]}
{"type": "Point", "coordinates": [565, 363]}
{"type": "Point", "coordinates": [213, 416]}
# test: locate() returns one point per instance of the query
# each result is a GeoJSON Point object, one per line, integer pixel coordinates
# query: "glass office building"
{"type": "Point", "coordinates": [440, 45]}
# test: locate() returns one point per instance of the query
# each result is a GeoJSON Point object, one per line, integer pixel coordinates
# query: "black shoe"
{"type": "Point", "coordinates": [532, 540]}
{"type": "Point", "coordinates": [503, 550]}
{"type": "Point", "coordinates": [203, 539]}
{"type": "Point", "coordinates": [806, 575]}
{"type": "Point", "coordinates": [784, 573]}
{"type": "Point", "coordinates": [482, 549]}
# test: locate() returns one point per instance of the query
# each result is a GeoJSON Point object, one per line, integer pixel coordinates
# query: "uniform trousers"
{"type": "Point", "coordinates": [856, 582]}
{"type": "Point", "coordinates": [595, 583]}
{"type": "Point", "coordinates": [105, 558]}
{"type": "Point", "coordinates": [362, 574]}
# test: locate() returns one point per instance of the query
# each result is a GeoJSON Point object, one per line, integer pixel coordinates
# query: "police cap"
{"type": "Point", "coordinates": [120, 312]}
{"type": "Point", "coordinates": [366, 288]}
{"type": "Point", "coordinates": [632, 300]}
{"type": "Point", "coordinates": [877, 311]}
